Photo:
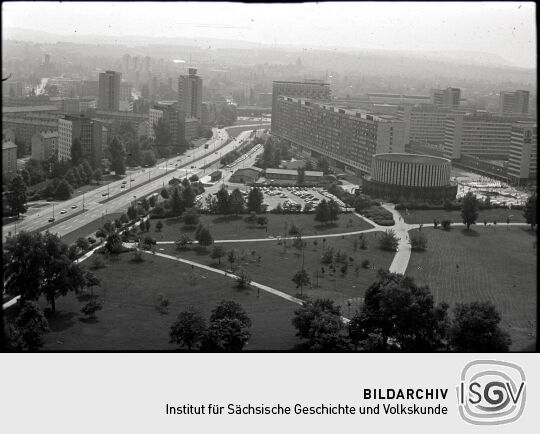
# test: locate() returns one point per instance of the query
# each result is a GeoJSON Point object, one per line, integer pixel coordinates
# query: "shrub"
{"type": "Point", "coordinates": [379, 215]}
{"type": "Point", "coordinates": [365, 263]}
{"type": "Point", "coordinates": [97, 262]}
{"type": "Point", "coordinates": [418, 240]}
{"type": "Point", "coordinates": [90, 308]}
{"type": "Point", "coordinates": [137, 257]}
{"type": "Point", "coordinates": [446, 223]}
{"type": "Point", "coordinates": [100, 233]}
{"type": "Point", "coordinates": [91, 240]}
{"type": "Point", "coordinates": [389, 241]}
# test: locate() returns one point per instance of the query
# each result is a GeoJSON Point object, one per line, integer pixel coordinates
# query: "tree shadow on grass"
{"type": "Point", "coordinates": [226, 218]}
{"type": "Point", "coordinates": [322, 227]}
{"type": "Point", "coordinates": [469, 232]}
{"type": "Point", "coordinates": [89, 320]}
{"type": "Point", "coordinates": [83, 296]}
{"type": "Point", "coordinates": [60, 321]}
{"type": "Point", "coordinates": [200, 251]}
{"type": "Point", "coordinates": [172, 221]}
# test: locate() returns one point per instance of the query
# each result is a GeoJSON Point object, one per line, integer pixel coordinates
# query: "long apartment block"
{"type": "Point", "coordinates": [348, 138]}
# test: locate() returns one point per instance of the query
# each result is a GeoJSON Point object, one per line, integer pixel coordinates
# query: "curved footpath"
{"type": "Point", "coordinates": [399, 263]}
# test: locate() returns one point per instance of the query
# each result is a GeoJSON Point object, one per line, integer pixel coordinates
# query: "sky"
{"type": "Point", "coordinates": [507, 29]}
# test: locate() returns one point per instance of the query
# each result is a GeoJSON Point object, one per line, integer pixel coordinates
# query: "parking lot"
{"type": "Point", "coordinates": [295, 198]}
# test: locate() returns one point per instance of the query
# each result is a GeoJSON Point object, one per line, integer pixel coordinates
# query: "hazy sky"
{"type": "Point", "coordinates": [507, 29]}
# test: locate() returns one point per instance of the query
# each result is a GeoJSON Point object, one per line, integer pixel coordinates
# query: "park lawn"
{"type": "Point", "coordinates": [497, 214]}
{"type": "Point", "coordinates": [129, 319]}
{"type": "Point", "coordinates": [278, 266]}
{"type": "Point", "coordinates": [234, 227]}
{"type": "Point", "coordinates": [89, 228]}
{"type": "Point", "coordinates": [496, 265]}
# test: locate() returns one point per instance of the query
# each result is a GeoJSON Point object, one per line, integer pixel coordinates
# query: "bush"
{"type": "Point", "coordinates": [100, 233]}
{"type": "Point", "coordinates": [446, 223]}
{"type": "Point", "coordinates": [389, 241]}
{"type": "Point", "coordinates": [365, 263]}
{"type": "Point", "coordinates": [91, 240]}
{"type": "Point", "coordinates": [137, 257]}
{"type": "Point", "coordinates": [97, 262]}
{"type": "Point", "coordinates": [379, 215]}
{"type": "Point", "coordinates": [418, 240]}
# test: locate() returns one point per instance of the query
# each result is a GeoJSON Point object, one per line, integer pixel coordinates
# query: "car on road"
{"type": "Point", "coordinates": [51, 220]}
{"type": "Point", "coordinates": [124, 182]}
{"type": "Point", "coordinates": [63, 211]}
{"type": "Point", "coordinates": [132, 179]}
{"type": "Point", "coordinates": [105, 194]}
{"type": "Point", "coordinates": [192, 167]}
{"type": "Point", "coordinates": [122, 186]}
{"type": "Point", "coordinates": [73, 206]}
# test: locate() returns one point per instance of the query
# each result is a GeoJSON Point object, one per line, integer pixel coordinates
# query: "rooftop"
{"type": "Point", "coordinates": [8, 144]}
{"type": "Point", "coordinates": [292, 172]}
{"type": "Point", "coordinates": [412, 158]}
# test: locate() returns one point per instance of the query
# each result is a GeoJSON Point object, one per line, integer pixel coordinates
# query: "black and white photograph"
{"type": "Point", "coordinates": [334, 177]}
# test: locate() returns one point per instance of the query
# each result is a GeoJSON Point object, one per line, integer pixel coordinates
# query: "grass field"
{"type": "Point", "coordinates": [231, 227]}
{"type": "Point", "coordinates": [130, 320]}
{"type": "Point", "coordinates": [278, 266]}
{"type": "Point", "coordinates": [498, 214]}
{"type": "Point", "coordinates": [496, 265]}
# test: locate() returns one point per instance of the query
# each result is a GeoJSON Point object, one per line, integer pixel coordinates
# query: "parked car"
{"type": "Point", "coordinates": [73, 206]}
{"type": "Point", "coordinates": [63, 211]}
{"type": "Point", "coordinates": [51, 220]}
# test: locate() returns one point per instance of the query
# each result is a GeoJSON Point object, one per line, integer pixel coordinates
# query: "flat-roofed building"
{"type": "Point", "coordinates": [522, 162]}
{"type": "Point", "coordinates": [44, 144]}
{"type": "Point", "coordinates": [309, 89]}
{"type": "Point", "coordinates": [514, 102]}
{"type": "Point", "coordinates": [109, 90]}
{"type": "Point", "coordinates": [310, 176]}
{"type": "Point", "coordinates": [449, 97]}
{"type": "Point", "coordinates": [9, 158]}
{"type": "Point", "coordinates": [25, 127]}
{"type": "Point", "coordinates": [481, 135]}
{"type": "Point", "coordinates": [246, 176]}
{"type": "Point", "coordinates": [190, 94]}
{"type": "Point", "coordinates": [347, 138]}
{"type": "Point", "coordinates": [71, 128]}
{"type": "Point", "coordinates": [424, 124]}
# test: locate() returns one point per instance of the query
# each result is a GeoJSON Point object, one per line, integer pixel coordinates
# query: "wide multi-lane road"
{"type": "Point", "coordinates": [96, 204]}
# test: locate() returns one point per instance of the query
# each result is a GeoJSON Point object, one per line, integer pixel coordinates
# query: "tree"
{"type": "Point", "coordinates": [236, 202]}
{"type": "Point", "coordinates": [97, 175]}
{"type": "Point", "coordinates": [164, 193]}
{"type": "Point", "coordinates": [418, 240]}
{"type": "Point", "coordinates": [389, 241]}
{"type": "Point", "coordinates": [223, 203]}
{"type": "Point", "coordinates": [218, 251]}
{"type": "Point", "coordinates": [301, 279]}
{"type": "Point", "coordinates": [262, 220]}
{"type": "Point", "coordinates": [117, 157]}
{"type": "Point", "coordinates": [301, 176]}
{"type": "Point", "coordinates": [132, 213]}
{"type": "Point", "coordinates": [397, 314]}
{"type": "Point", "coordinates": [193, 178]}
{"type": "Point", "coordinates": [28, 328]}
{"type": "Point", "coordinates": [176, 203]}
{"type": "Point", "coordinates": [162, 134]}
{"type": "Point", "coordinates": [76, 151]}
{"type": "Point", "coordinates": [231, 257]}
{"type": "Point", "coordinates": [255, 200]}
{"type": "Point", "coordinates": [188, 196]}
{"type": "Point", "coordinates": [63, 191]}
{"type": "Point", "coordinates": [147, 225]}
{"type": "Point", "coordinates": [205, 238]}
{"type": "Point", "coordinates": [16, 197]}
{"type": "Point", "coordinates": [183, 242]}
{"type": "Point", "coordinates": [309, 165]}
{"type": "Point", "coordinates": [469, 209]}
{"type": "Point", "coordinates": [333, 209]}
{"type": "Point", "coordinates": [82, 243]}
{"type": "Point", "coordinates": [191, 217]}
{"type": "Point", "coordinates": [446, 223]}
{"type": "Point", "coordinates": [227, 334]}
{"type": "Point", "coordinates": [232, 310]}
{"type": "Point", "coordinates": [90, 308]}
{"type": "Point", "coordinates": [244, 279]}
{"type": "Point", "coordinates": [475, 328]}
{"type": "Point", "coordinates": [159, 226]}
{"type": "Point", "coordinates": [529, 212]}
{"type": "Point", "coordinates": [322, 212]}
{"type": "Point", "coordinates": [188, 331]}
{"type": "Point", "coordinates": [319, 323]}
{"type": "Point", "coordinates": [148, 158]}
{"type": "Point", "coordinates": [323, 165]}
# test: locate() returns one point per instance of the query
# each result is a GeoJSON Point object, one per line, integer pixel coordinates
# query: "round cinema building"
{"type": "Point", "coordinates": [411, 177]}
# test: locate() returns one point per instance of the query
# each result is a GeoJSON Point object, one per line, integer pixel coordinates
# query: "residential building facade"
{"type": "Point", "coordinates": [348, 139]}
{"type": "Point", "coordinates": [514, 102]}
{"type": "Point", "coordinates": [522, 162]}
{"type": "Point", "coordinates": [190, 94]}
{"type": "Point", "coordinates": [109, 91]}
{"type": "Point", "coordinates": [44, 144]}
